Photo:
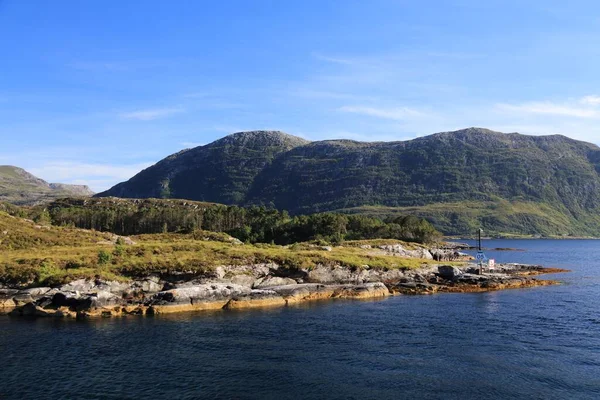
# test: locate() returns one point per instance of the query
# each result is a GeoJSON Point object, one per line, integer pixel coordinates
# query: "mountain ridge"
{"type": "Point", "coordinates": [282, 171]}
{"type": "Point", "coordinates": [20, 187]}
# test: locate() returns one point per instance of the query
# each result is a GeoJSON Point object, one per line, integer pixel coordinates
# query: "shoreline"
{"type": "Point", "coordinates": [237, 289]}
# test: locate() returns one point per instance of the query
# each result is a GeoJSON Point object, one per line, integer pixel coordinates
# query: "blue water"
{"type": "Point", "coordinates": [540, 343]}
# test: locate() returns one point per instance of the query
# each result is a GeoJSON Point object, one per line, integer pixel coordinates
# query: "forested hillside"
{"type": "Point", "coordinates": [252, 224]}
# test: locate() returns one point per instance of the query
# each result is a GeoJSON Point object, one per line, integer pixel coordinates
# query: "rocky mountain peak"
{"type": "Point", "coordinates": [263, 138]}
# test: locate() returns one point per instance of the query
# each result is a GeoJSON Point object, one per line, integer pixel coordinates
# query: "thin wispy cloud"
{"type": "Point", "coordinates": [189, 145]}
{"type": "Point", "coordinates": [591, 100]}
{"type": "Point", "coordinates": [551, 109]}
{"type": "Point", "coordinates": [335, 60]}
{"type": "Point", "coordinates": [328, 95]}
{"type": "Point", "coordinates": [394, 113]}
{"type": "Point", "coordinates": [151, 114]}
{"type": "Point", "coordinates": [585, 107]}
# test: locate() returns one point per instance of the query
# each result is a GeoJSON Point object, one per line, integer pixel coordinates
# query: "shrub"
{"type": "Point", "coordinates": [104, 257]}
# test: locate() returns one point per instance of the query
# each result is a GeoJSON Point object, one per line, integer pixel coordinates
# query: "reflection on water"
{"type": "Point", "coordinates": [531, 343]}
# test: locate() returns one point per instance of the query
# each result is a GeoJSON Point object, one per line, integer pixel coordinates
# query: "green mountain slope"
{"type": "Point", "coordinates": [219, 172]}
{"type": "Point", "coordinates": [18, 186]}
{"type": "Point", "coordinates": [508, 183]}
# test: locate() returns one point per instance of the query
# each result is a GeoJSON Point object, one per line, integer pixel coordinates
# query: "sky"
{"type": "Point", "coordinates": [91, 92]}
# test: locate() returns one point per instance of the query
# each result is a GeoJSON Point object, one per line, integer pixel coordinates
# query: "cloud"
{"type": "Point", "coordinates": [335, 60]}
{"type": "Point", "coordinates": [189, 145]}
{"type": "Point", "coordinates": [583, 108]}
{"type": "Point", "coordinates": [591, 100]}
{"type": "Point", "coordinates": [395, 113]}
{"type": "Point", "coordinates": [151, 114]}
{"type": "Point", "coordinates": [328, 95]}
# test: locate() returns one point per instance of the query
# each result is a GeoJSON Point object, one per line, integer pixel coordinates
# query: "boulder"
{"type": "Point", "coordinates": [449, 272]}
{"type": "Point", "coordinates": [392, 248]}
{"type": "Point", "coordinates": [101, 299]}
{"type": "Point", "coordinates": [419, 253]}
{"type": "Point", "coordinates": [449, 255]}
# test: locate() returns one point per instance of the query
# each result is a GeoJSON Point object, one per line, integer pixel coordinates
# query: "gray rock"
{"type": "Point", "coordinates": [80, 285]}
{"type": "Point", "coordinates": [256, 298]}
{"type": "Point", "coordinates": [366, 290]}
{"type": "Point", "coordinates": [37, 292]}
{"type": "Point", "coordinates": [256, 270]}
{"type": "Point", "coordinates": [22, 298]}
{"type": "Point", "coordinates": [270, 281]}
{"type": "Point", "coordinates": [472, 278]}
{"type": "Point", "coordinates": [244, 280]}
{"type": "Point", "coordinates": [100, 299]}
{"type": "Point", "coordinates": [8, 293]}
{"type": "Point", "coordinates": [449, 272]}
{"type": "Point", "coordinates": [448, 255]}
{"type": "Point", "coordinates": [419, 253]}
{"type": "Point", "coordinates": [66, 299]}
{"type": "Point", "coordinates": [110, 286]}
{"type": "Point", "coordinates": [149, 285]}
{"type": "Point", "coordinates": [392, 248]}
{"type": "Point", "coordinates": [332, 275]}
{"type": "Point", "coordinates": [300, 289]}
{"type": "Point", "coordinates": [199, 293]}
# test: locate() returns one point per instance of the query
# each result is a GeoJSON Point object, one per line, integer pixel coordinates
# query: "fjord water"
{"type": "Point", "coordinates": [540, 343]}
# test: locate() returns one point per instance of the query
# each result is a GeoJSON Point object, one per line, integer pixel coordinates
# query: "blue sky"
{"type": "Point", "coordinates": [93, 91]}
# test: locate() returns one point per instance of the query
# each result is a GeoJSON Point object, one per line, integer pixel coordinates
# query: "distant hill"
{"type": "Point", "coordinates": [19, 187]}
{"type": "Point", "coordinates": [506, 183]}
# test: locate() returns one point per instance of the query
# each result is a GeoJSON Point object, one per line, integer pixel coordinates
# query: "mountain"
{"type": "Point", "coordinates": [18, 186]}
{"type": "Point", "coordinates": [507, 183]}
{"type": "Point", "coordinates": [220, 172]}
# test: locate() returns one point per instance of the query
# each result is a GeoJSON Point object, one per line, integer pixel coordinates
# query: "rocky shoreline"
{"type": "Point", "coordinates": [255, 286]}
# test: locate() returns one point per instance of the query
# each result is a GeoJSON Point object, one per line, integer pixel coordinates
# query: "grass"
{"type": "Point", "coordinates": [498, 217]}
{"type": "Point", "coordinates": [35, 255]}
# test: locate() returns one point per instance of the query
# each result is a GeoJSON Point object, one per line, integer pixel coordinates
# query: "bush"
{"type": "Point", "coordinates": [104, 257]}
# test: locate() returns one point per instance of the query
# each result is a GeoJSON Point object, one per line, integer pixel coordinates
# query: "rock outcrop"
{"type": "Point", "coordinates": [254, 286]}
